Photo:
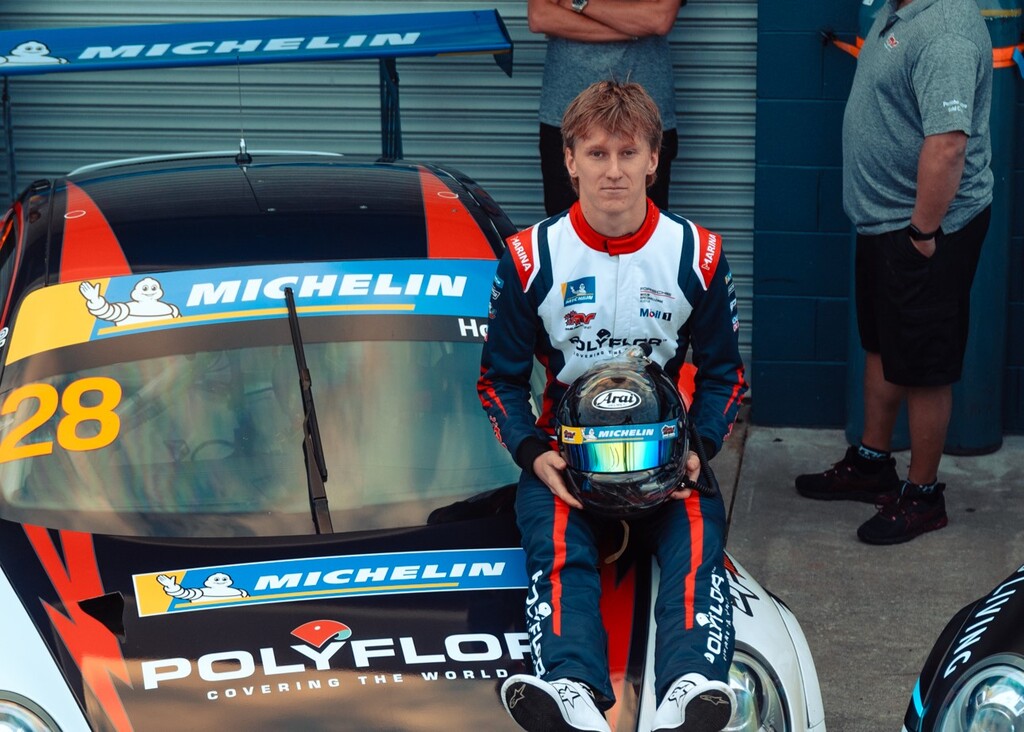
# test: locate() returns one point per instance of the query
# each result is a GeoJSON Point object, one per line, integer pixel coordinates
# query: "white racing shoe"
{"type": "Point", "coordinates": [694, 704]}
{"type": "Point", "coordinates": [560, 706]}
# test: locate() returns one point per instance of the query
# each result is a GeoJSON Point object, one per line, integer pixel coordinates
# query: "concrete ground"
{"type": "Point", "coordinates": [870, 613]}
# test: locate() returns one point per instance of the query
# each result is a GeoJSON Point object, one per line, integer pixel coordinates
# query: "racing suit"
{"type": "Point", "coordinates": [570, 297]}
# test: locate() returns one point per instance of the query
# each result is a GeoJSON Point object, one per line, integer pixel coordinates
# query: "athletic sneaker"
{"type": "Point", "coordinates": [560, 706]}
{"type": "Point", "coordinates": [846, 481]}
{"type": "Point", "coordinates": [910, 515]}
{"type": "Point", "coordinates": [694, 704]}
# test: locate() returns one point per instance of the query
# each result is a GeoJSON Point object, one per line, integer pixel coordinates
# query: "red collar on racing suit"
{"type": "Point", "coordinates": [619, 244]}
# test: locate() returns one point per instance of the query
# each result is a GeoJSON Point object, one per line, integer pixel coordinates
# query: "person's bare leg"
{"type": "Point", "coordinates": [928, 409]}
{"type": "Point", "coordinates": [882, 402]}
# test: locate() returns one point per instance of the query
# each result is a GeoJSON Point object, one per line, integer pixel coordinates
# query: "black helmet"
{"type": "Point", "coordinates": [622, 429]}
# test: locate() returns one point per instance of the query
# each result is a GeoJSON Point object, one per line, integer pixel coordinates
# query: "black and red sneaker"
{"type": "Point", "coordinates": [848, 480]}
{"type": "Point", "coordinates": [910, 515]}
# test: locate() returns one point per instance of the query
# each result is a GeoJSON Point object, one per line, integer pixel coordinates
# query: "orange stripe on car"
{"type": "Point", "coordinates": [451, 230]}
{"type": "Point", "coordinates": [91, 249]}
{"type": "Point", "coordinates": [94, 648]}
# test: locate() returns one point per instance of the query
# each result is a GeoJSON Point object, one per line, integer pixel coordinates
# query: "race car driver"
{"type": "Point", "coordinates": [571, 291]}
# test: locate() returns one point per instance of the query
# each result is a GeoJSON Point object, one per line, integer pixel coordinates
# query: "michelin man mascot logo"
{"type": "Point", "coordinates": [31, 52]}
{"type": "Point", "coordinates": [145, 306]}
{"type": "Point", "coordinates": [218, 586]}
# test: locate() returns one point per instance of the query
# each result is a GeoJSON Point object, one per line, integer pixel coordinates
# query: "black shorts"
{"type": "Point", "coordinates": [558, 192]}
{"type": "Point", "coordinates": [914, 310]}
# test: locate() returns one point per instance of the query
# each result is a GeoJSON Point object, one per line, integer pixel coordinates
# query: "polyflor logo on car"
{"type": "Point", "coordinates": [328, 651]}
{"type": "Point", "coordinates": [615, 400]}
{"type": "Point", "coordinates": [318, 632]}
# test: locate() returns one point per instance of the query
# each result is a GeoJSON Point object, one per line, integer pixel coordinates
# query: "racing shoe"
{"type": "Point", "coordinates": [560, 706]}
{"type": "Point", "coordinates": [848, 481]}
{"type": "Point", "coordinates": [694, 704]}
{"type": "Point", "coordinates": [909, 516]}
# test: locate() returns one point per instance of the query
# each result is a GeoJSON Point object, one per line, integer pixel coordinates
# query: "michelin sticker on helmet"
{"type": "Point", "coordinates": [310, 578]}
{"type": "Point", "coordinates": [615, 400]}
{"type": "Point", "coordinates": [572, 435]}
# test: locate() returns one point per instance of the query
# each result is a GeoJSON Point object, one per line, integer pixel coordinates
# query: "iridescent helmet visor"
{"type": "Point", "coordinates": [619, 449]}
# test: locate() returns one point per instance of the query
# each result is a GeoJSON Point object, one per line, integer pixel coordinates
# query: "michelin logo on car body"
{"type": "Point", "coordinates": [146, 304]}
{"type": "Point", "coordinates": [218, 586]}
{"type": "Point", "coordinates": [122, 305]}
{"type": "Point", "coordinates": [291, 580]}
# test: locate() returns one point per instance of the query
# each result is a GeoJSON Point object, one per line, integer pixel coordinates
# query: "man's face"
{"type": "Point", "coordinates": [612, 171]}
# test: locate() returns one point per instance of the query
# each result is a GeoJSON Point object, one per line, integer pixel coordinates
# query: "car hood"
{"type": "Point", "coordinates": [385, 631]}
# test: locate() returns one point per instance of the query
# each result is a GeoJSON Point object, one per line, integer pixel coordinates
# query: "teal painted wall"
{"type": "Point", "coordinates": [802, 238]}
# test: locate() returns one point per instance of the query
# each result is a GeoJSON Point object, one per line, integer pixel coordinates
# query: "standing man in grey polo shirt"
{"type": "Point", "coordinates": [596, 40]}
{"type": "Point", "coordinates": [918, 187]}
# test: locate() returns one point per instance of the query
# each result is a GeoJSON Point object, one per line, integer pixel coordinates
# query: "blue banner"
{"type": "Point", "coordinates": [192, 297]}
{"type": "Point", "coordinates": [317, 578]}
{"type": "Point", "coordinates": [322, 38]}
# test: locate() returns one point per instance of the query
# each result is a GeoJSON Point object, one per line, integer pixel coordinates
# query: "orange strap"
{"type": "Point", "coordinates": [850, 48]}
{"type": "Point", "coordinates": [1003, 57]}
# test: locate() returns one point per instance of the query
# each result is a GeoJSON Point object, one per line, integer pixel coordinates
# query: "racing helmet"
{"type": "Point", "coordinates": [622, 429]}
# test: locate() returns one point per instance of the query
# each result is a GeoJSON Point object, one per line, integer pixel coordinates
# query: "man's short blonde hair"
{"type": "Point", "coordinates": [623, 109]}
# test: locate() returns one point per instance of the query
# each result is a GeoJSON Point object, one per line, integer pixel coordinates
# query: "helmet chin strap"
{"type": "Point", "coordinates": [625, 542]}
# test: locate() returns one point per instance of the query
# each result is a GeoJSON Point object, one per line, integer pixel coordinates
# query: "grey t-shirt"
{"type": "Point", "coordinates": [923, 70]}
{"type": "Point", "coordinates": [572, 66]}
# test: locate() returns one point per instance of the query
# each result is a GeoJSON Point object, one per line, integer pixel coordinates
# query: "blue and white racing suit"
{"type": "Point", "coordinates": [570, 297]}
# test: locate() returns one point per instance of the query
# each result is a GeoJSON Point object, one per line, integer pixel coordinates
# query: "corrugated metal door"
{"type": "Point", "coordinates": [460, 111]}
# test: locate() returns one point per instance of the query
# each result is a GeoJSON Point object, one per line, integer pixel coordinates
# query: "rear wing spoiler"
{"type": "Point", "coordinates": [275, 40]}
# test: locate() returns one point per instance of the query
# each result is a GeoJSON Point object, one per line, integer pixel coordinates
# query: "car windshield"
{"type": "Point", "coordinates": [198, 431]}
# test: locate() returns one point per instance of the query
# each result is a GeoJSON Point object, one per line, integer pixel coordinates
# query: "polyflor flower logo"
{"type": "Point", "coordinates": [318, 632]}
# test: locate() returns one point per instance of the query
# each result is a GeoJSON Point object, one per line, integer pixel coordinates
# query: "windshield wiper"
{"type": "Point", "coordinates": [312, 447]}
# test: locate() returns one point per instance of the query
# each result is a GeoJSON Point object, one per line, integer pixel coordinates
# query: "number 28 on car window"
{"type": "Point", "coordinates": [76, 411]}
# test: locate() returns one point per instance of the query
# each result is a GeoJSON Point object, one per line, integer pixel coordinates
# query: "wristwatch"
{"type": "Point", "coordinates": [917, 235]}
{"type": "Point", "coordinates": [578, 5]}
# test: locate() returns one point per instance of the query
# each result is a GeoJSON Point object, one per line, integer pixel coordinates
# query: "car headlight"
{"type": "Point", "coordinates": [760, 702]}
{"type": "Point", "coordinates": [18, 714]}
{"type": "Point", "coordinates": [990, 699]}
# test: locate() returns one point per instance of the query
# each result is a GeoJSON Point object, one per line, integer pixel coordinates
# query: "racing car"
{"type": "Point", "coordinates": [973, 678]}
{"type": "Point", "coordinates": [245, 480]}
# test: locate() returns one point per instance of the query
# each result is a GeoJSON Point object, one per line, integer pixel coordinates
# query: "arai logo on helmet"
{"type": "Point", "coordinates": [615, 399]}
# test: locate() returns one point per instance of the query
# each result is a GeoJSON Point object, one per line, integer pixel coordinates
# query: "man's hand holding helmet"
{"type": "Point", "coordinates": [623, 439]}
{"type": "Point", "coordinates": [550, 468]}
{"type": "Point", "coordinates": [692, 472]}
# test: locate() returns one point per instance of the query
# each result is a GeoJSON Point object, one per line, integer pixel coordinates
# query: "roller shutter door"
{"type": "Point", "coordinates": [460, 111]}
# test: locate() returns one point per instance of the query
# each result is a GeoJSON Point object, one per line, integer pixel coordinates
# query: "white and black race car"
{"type": "Point", "coordinates": [245, 480]}
{"type": "Point", "coordinates": [973, 679]}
